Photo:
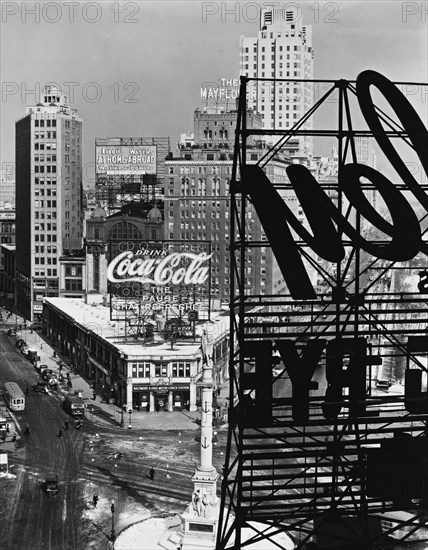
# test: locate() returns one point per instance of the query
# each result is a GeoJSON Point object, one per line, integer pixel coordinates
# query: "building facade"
{"type": "Point", "coordinates": [155, 377]}
{"type": "Point", "coordinates": [49, 220]}
{"type": "Point", "coordinates": [7, 236]}
{"type": "Point", "coordinates": [135, 221]}
{"type": "Point", "coordinates": [281, 50]}
{"type": "Point", "coordinates": [197, 199]}
{"type": "Point", "coordinates": [8, 252]}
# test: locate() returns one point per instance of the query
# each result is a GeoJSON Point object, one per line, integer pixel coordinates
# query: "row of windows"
{"type": "Point", "coordinates": [45, 273]}
{"type": "Point", "coordinates": [45, 146]}
{"type": "Point", "coordinates": [41, 169]}
{"type": "Point", "coordinates": [45, 135]}
{"type": "Point", "coordinates": [43, 227]}
{"type": "Point", "coordinates": [73, 285]}
{"type": "Point", "coordinates": [41, 158]}
{"type": "Point", "coordinates": [41, 192]}
{"type": "Point", "coordinates": [42, 181]}
{"type": "Point", "coordinates": [202, 169]}
{"type": "Point", "coordinates": [203, 225]}
{"type": "Point", "coordinates": [41, 238]}
{"type": "Point", "coordinates": [48, 249]}
{"type": "Point", "coordinates": [41, 215]}
{"type": "Point", "coordinates": [176, 370]}
{"type": "Point", "coordinates": [295, 74]}
{"type": "Point", "coordinates": [41, 123]}
{"type": "Point", "coordinates": [287, 65]}
{"type": "Point", "coordinates": [41, 204]}
{"type": "Point", "coordinates": [7, 227]}
{"type": "Point", "coordinates": [199, 204]}
{"type": "Point", "coordinates": [203, 214]}
{"type": "Point", "coordinates": [280, 57]}
{"type": "Point", "coordinates": [41, 261]}
{"type": "Point", "coordinates": [281, 48]}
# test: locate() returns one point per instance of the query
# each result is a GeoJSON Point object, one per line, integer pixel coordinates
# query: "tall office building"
{"type": "Point", "coordinates": [197, 198]}
{"type": "Point", "coordinates": [366, 155]}
{"type": "Point", "coordinates": [281, 50]}
{"type": "Point", "coordinates": [49, 194]}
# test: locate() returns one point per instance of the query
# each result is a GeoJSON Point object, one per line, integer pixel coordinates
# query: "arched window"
{"type": "Point", "coordinates": [124, 231]}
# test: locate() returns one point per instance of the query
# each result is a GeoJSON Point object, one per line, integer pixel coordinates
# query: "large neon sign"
{"type": "Point", "coordinates": [326, 221]}
{"type": "Point", "coordinates": [158, 277]}
{"type": "Point", "coordinates": [128, 267]}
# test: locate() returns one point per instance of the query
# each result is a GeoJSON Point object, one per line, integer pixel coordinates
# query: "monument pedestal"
{"type": "Point", "coordinates": [200, 520]}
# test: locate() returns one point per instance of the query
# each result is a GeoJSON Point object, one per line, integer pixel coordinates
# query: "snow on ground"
{"type": "Point", "coordinates": [145, 535]}
{"type": "Point", "coordinates": [7, 475]}
{"type": "Point", "coordinates": [101, 515]}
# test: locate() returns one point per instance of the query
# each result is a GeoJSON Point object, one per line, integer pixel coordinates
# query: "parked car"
{"type": "Point", "coordinates": [46, 374]}
{"type": "Point", "coordinates": [41, 387]}
{"type": "Point", "coordinates": [33, 355]}
{"type": "Point", "coordinates": [41, 367]}
{"type": "Point", "coordinates": [11, 332]}
{"type": "Point", "coordinates": [24, 349]}
{"type": "Point", "coordinates": [20, 343]}
{"type": "Point", "coordinates": [53, 381]}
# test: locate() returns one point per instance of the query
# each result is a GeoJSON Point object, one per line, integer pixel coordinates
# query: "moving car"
{"type": "Point", "coordinates": [74, 405]}
{"type": "Point", "coordinates": [46, 374]}
{"type": "Point", "coordinates": [51, 484]}
{"type": "Point", "coordinates": [11, 332]}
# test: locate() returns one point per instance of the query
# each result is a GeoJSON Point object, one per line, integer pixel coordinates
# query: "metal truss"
{"type": "Point", "coordinates": [321, 475]}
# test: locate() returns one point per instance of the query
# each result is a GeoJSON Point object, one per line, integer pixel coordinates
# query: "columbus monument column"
{"type": "Point", "coordinates": [200, 520]}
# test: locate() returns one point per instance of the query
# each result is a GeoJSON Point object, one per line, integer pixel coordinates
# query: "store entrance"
{"type": "Point", "coordinates": [140, 400]}
{"type": "Point", "coordinates": [161, 402]}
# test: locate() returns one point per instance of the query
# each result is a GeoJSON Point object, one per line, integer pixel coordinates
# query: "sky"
{"type": "Point", "coordinates": [136, 68]}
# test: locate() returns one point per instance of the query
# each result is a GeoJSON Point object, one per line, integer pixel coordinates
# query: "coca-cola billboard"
{"type": "Point", "coordinates": [149, 278]}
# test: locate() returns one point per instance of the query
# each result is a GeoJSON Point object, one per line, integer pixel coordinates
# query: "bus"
{"type": "Point", "coordinates": [14, 396]}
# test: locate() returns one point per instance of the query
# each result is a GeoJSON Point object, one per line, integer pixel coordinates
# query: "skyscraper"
{"type": "Point", "coordinates": [197, 198]}
{"type": "Point", "coordinates": [49, 194]}
{"type": "Point", "coordinates": [281, 50]}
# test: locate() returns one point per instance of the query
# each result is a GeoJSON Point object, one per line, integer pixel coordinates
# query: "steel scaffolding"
{"type": "Point", "coordinates": [348, 470]}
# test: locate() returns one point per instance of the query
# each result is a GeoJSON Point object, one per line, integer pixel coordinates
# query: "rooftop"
{"type": "Point", "coordinates": [95, 319]}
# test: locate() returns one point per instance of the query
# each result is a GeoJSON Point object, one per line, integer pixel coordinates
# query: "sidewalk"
{"type": "Point", "coordinates": [99, 412]}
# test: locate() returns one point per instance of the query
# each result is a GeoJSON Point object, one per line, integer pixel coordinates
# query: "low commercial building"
{"type": "Point", "coordinates": [150, 370]}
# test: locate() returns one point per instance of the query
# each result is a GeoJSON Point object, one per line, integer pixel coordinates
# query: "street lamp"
{"type": "Point", "coordinates": [130, 414]}
{"type": "Point", "coordinates": [113, 533]}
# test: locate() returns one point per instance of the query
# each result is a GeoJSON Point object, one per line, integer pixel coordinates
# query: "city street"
{"type": "Point", "coordinates": [101, 459]}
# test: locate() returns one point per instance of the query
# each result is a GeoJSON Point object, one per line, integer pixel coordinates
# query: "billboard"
{"type": "Point", "coordinates": [125, 160]}
{"type": "Point", "coordinates": [148, 278]}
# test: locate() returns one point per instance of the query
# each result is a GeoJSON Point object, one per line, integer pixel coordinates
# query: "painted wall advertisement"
{"type": "Point", "coordinates": [125, 160]}
{"type": "Point", "coordinates": [167, 278]}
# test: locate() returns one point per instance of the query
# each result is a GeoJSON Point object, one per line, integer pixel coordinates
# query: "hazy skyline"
{"type": "Point", "coordinates": [136, 68]}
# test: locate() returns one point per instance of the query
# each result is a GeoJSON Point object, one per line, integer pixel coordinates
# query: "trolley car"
{"type": "Point", "coordinates": [14, 396]}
